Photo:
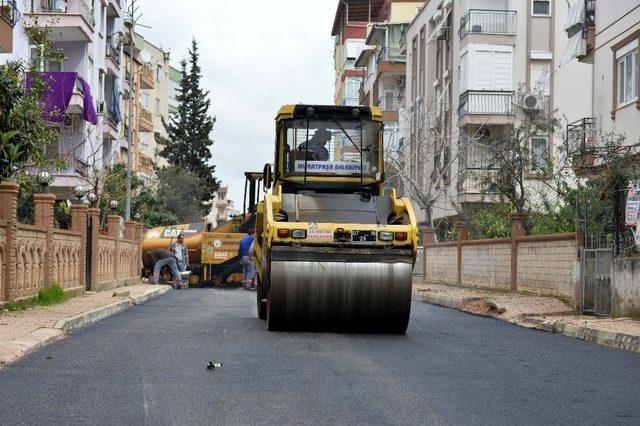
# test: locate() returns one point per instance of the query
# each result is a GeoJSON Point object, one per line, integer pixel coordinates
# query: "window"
{"type": "Point", "coordinates": [159, 72]}
{"type": "Point", "coordinates": [389, 101]}
{"type": "Point", "coordinates": [157, 106]}
{"type": "Point", "coordinates": [541, 8]}
{"type": "Point", "coordinates": [422, 53]}
{"type": "Point", "coordinates": [414, 67]}
{"type": "Point", "coordinates": [144, 100]}
{"type": "Point", "coordinates": [627, 76]}
{"type": "Point", "coordinates": [487, 67]}
{"type": "Point", "coordinates": [539, 153]}
{"type": "Point", "coordinates": [540, 76]}
{"type": "Point", "coordinates": [352, 91]}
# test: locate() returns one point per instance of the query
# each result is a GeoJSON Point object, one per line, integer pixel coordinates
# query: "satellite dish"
{"type": "Point", "coordinates": [145, 56]}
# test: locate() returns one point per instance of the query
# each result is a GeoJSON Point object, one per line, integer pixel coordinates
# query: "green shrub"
{"type": "Point", "coordinates": [51, 295]}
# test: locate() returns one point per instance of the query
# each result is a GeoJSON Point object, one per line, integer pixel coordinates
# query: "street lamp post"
{"type": "Point", "coordinates": [44, 179]}
{"type": "Point", "coordinates": [79, 191]}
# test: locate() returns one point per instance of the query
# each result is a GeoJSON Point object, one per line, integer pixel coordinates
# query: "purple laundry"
{"type": "Point", "coordinates": [57, 96]}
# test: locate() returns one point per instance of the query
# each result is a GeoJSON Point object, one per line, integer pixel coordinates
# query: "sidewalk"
{"type": "Point", "coordinates": [537, 312]}
{"type": "Point", "coordinates": [24, 331]}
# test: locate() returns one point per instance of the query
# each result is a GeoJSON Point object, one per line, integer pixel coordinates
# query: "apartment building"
{"type": "Point", "coordinates": [465, 61]}
{"type": "Point", "coordinates": [606, 35]}
{"type": "Point", "coordinates": [88, 32]}
{"type": "Point", "coordinates": [175, 77]}
{"type": "Point", "coordinates": [222, 209]}
{"type": "Point", "coordinates": [350, 29]}
{"type": "Point", "coordinates": [9, 17]}
{"type": "Point", "coordinates": [137, 97]}
{"type": "Point", "coordinates": [153, 108]}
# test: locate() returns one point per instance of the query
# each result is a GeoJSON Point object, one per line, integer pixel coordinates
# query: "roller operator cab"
{"type": "Point", "coordinates": [334, 250]}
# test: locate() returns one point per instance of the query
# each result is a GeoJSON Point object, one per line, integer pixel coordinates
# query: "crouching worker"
{"type": "Point", "coordinates": [245, 251]}
{"type": "Point", "coordinates": [159, 259]}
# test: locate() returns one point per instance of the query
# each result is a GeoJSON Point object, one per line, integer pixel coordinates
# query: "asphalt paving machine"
{"type": "Point", "coordinates": [334, 249]}
{"type": "Point", "coordinates": [213, 250]}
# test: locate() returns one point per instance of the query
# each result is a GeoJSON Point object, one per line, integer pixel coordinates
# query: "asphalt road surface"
{"type": "Point", "coordinates": [148, 365]}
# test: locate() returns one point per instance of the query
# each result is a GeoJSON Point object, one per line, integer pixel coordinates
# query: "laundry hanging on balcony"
{"type": "Point", "coordinates": [57, 93]}
{"type": "Point", "coordinates": [576, 21]}
{"type": "Point", "coordinates": [89, 113]}
{"type": "Point", "coordinates": [116, 112]}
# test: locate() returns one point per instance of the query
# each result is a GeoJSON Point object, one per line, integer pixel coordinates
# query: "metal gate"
{"type": "Point", "coordinates": [595, 271]}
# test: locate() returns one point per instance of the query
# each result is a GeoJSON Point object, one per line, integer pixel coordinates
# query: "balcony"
{"type": "Point", "coordinates": [113, 57]}
{"type": "Point", "coordinates": [478, 106]}
{"type": "Point", "coordinates": [145, 165]}
{"type": "Point", "coordinates": [481, 21]}
{"type": "Point", "coordinates": [147, 79]}
{"type": "Point", "coordinates": [9, 16]}
{"type": "Point", "coordinates": [146, 120]}
{"type": "Point", "coordinates": [9, 12]}
{"type": "Point", "coordinates": [115, 8]}
{"type": "Point", "coordinates": [70, 20]}
{"type": "Point", "coordinates": [581, 145]}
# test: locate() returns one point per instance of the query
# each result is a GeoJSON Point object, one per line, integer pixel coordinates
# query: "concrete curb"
{"type": "Point", "coordinates": [611, 339]}
{"type": "Point", "coordinates": [451, 302]}
{"type": "Point", "coordinates": [83, 319]}
{"type": "Point", "coordinates": [601, 337]}
{"type": "Point", "coordinates": [15, 349]}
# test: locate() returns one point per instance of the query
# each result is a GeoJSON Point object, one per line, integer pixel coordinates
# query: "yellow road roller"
{"type": "Point", "coordinates": [334, 249]}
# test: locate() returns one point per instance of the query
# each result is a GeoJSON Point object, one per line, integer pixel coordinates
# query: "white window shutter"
{"type": "Point", "coordinates": [484, 70]}
{"type": "Point", "coordinates": [502, 70]}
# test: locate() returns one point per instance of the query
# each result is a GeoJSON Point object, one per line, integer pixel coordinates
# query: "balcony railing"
{"type": "Point", "coordinates": [74, 7]}
{"type": "Point", "coordinates": [112, 51]}
{"type": "Point", "coordinates": [488, 22]}
{"type": "Point", "coordinates": [9, 12]}
{"type": "Point", "coordinates": [581, 136]}
{"type": "Point", "coordinates": [476, 102]}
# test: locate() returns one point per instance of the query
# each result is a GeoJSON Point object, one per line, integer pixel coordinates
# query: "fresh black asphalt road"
{"type": "Point", "coordinates": [148, 365]}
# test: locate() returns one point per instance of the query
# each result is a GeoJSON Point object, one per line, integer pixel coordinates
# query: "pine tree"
{"type": "Point", "coordinates": [188, 144]}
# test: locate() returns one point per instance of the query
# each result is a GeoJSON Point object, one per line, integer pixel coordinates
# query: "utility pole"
{"type": "Point", "coordinates": [130, 22]}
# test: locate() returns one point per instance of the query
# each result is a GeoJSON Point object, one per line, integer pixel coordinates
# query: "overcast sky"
{"type": "Point", "coordinates": [256, 56]}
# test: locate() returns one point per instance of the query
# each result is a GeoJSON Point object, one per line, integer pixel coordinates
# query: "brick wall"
{"type": "Point", "coordinates": [440, 261]}
{"type": "Point", "coordinates": [487, 265]}
{"type": "Point", "coordinates": [540, 264]}
{"type": "Point", "coordinates": [547, 267]}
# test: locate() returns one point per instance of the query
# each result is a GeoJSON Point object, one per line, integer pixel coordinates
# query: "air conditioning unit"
{"type": "Point", "coordinates": [100, 107]}
{"type": "Point", "coordinates": [533, 103]}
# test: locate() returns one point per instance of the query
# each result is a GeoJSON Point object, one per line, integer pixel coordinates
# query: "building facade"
{"type": "Point", "coordinates": [466, 60]}
{"type": "Point", "coordinates": [89, 35]}
{"type": "Point", "coordinates": [153, 108]}
{"type": "Point", "coordinates": [606, 36]}
{"type": "Point", "coordinates": [350, 29]}
{"type": "Point", "coordinates": [175, 77]}
{"type": "Point", "coordinates": [222, 209]}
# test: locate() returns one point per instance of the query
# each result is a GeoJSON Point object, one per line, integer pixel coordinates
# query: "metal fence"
{"type": "Point", "coordinates": [488, 22]}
